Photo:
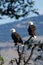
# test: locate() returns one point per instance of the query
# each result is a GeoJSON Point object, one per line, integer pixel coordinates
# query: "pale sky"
{"type": "Point", "coordinates": [39, 5]}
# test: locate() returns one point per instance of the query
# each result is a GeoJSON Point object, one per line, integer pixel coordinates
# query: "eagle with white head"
{"type": "Point", "coordinates": [32, 29]}
{"type": "Point", "coordinates": [16, 37]}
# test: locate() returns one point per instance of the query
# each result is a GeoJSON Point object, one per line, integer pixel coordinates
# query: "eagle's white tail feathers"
{"type": "Point", "coordinates": [20, 44]}
{"type": "Point", "coordinates": [35, 37]}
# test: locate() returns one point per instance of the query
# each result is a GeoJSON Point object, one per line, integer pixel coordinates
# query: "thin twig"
{"type": "Point", "coordinates": [30, 55]}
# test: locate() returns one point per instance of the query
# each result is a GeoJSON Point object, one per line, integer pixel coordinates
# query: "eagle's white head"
{"type": "Point", "coordinates": [30, 23]}
{"type": "Point", "coordinates": [12, 30]}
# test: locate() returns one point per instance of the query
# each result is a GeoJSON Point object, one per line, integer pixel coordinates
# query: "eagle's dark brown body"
{"type": "Point", "coordinates": [32, 30]}
{"type": "Point", "coordinates": [17, 38]}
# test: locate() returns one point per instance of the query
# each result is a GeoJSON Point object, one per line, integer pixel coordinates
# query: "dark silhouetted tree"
{"type": "Point", "coordinates": [17, 8]}
{"type": "Point", "coordinates": [22, 60]}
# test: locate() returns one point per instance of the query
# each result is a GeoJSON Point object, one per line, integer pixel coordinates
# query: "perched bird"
{"type": "Point", "coordinates": [16, 37]}
{"type": "Point", "coordinates": [32, 32]}
{"type": "Point", "coordinates": [32, 29]}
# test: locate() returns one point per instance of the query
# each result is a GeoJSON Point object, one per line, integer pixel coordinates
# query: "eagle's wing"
{"type": "Point", "coordinates": [32, 30]}
{"type": "Point", "coordinates": [17, 37]}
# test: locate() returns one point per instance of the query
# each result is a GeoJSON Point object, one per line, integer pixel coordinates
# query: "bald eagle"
{"type": "Point", "coordinates": [32, 29]}
{"type": "Point", "coordinates": [16, 37]}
